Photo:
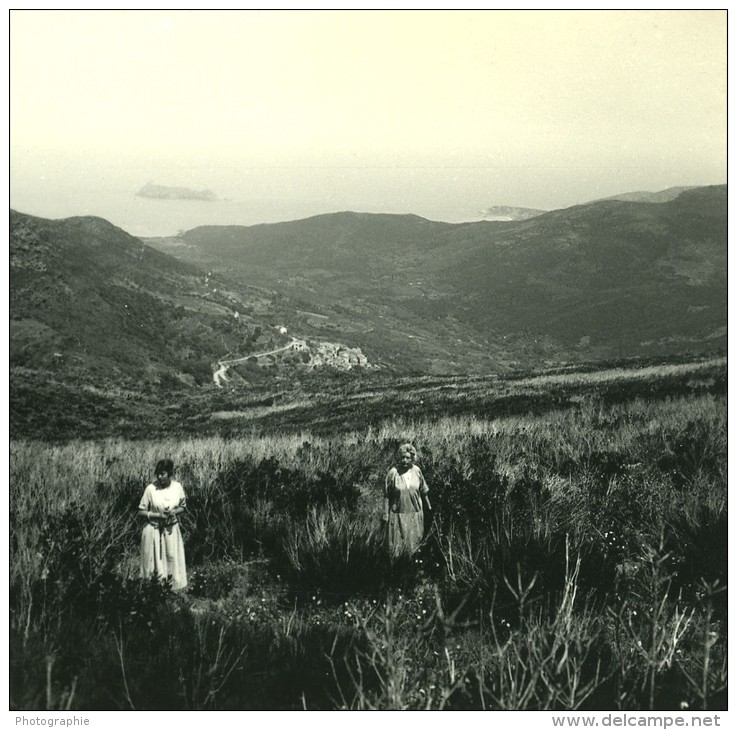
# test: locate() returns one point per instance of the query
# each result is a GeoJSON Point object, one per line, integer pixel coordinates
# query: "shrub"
{"type": "Point", "coordinates": [339, 553]}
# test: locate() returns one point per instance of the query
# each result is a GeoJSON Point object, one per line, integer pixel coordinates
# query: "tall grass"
{"type": "Point", "coordinates": [574, 559]}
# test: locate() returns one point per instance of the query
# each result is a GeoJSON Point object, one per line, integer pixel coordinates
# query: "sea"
{"type": "Point", "coordinates": [148, 217]}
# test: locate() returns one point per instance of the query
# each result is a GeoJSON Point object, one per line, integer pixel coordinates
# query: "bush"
{"type": "Point", "coordinates": [338, 553]}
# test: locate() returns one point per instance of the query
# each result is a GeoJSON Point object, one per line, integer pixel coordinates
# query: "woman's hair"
{"type": "Point", "coordinates": [164, 465]}
{"type": "Point", "coordinates": [407, 448]}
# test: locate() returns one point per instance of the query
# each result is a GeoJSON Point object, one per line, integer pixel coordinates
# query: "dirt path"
{"type": "Point", "coordinates": [222, 372]}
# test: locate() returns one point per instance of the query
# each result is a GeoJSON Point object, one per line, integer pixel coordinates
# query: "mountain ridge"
{"type": "Point", "coordinates": [645, 196]}
{"type": "Point", "coordinates": [105, 327]}
{"type": "Point", "coordinates": [610, 273]}
{"type": "Point", "coordinates": [599, 280]}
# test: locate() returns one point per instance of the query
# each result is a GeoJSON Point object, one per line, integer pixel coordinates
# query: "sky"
{"type": "Point", "coordinates": [439, 113]}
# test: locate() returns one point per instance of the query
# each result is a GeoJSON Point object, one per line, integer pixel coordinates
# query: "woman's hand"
{"type": "Point", "coordinates": [170, 516]}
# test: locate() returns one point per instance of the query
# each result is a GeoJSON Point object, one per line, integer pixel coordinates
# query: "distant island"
{"type": "Point", "coordinates": [514, 213]}
{"type": "Point", "coordinates": [510, 213]}
{"type": "Point", "coordinates": [164, 192]}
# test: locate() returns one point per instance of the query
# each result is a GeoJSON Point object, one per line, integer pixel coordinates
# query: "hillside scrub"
{"type": "Point", "coordinates": [575, 559]}
{"type": "Point", "coordinates": [333, 401]}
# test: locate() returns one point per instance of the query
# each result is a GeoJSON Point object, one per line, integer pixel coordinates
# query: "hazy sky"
{"type": "Point", "coordinates": [432, 112]}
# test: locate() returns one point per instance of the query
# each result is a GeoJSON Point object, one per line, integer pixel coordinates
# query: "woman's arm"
{"type": "Point", "coordinates": [181, 505]}
{"type": "Point", "coordinates": [144, 508]}
{"type": "Point", "coordinates": [388, 487]}
{"type": "Point", "coordinates": [424, 490]}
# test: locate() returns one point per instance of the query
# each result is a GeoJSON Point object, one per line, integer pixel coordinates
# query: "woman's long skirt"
{"type": "Point", "coordinates": [162, 555]}
{"type": "Point", "coordinates": [406, 530]}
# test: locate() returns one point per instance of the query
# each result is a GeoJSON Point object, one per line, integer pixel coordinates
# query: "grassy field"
{"type": "Point", "coordinates": [576, 556]}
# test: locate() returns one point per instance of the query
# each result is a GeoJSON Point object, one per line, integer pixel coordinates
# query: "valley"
{"type": "Point", "coordinates": [97, 313]}
{"type": "Point", "coordinates": [607, 279]}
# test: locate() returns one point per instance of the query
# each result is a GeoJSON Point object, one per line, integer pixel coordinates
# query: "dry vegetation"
{"type": "Point", "coordinates": [576, 559]}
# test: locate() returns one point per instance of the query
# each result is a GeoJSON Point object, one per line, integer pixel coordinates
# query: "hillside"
{"type": "Point", "coordinates": [86, 298]}
{"type": "Point", "coordinates": [601, 280]}
{"type": "Point", "coordinates": [629, 277]}
{"type": "Point", "coordinates": [91, 303]}
{"type": "Point", "coordinates": [645, 196]}
{"type": "Point", "coordinates": [336, 243]}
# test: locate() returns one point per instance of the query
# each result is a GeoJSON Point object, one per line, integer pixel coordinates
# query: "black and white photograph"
{"type": "Point", "coordinates": [368, 360]}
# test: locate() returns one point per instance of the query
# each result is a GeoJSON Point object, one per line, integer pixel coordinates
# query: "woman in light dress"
{"type": "Point", "coordinates": [162, 547]}
{"type": "Point", "coordinates": [405, 499]}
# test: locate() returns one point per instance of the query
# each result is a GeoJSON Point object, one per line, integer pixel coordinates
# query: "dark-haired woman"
{"type": "Point", "coordinates": [405, 499]}
{"type": "Point", "coordinates": [162, 547]}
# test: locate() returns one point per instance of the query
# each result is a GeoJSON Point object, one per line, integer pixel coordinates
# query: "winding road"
{"type": "Point", "coordinates": [222, 372]}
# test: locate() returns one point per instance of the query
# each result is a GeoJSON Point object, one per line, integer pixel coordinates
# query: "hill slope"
{"type": "Point", "coordinates": [601, 280]}
{"type": "Point", "coordinates": [645, 196]}
{"type": "Point", "coordinates": [628, 276]}
{"type": "Point", "coordinates": [88, 300]}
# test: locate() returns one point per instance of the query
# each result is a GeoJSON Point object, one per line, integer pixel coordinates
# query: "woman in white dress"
{"type": "Point", "coordinates": [405, 499]}
{"type": "Point", "coordinates": [162, 547]}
